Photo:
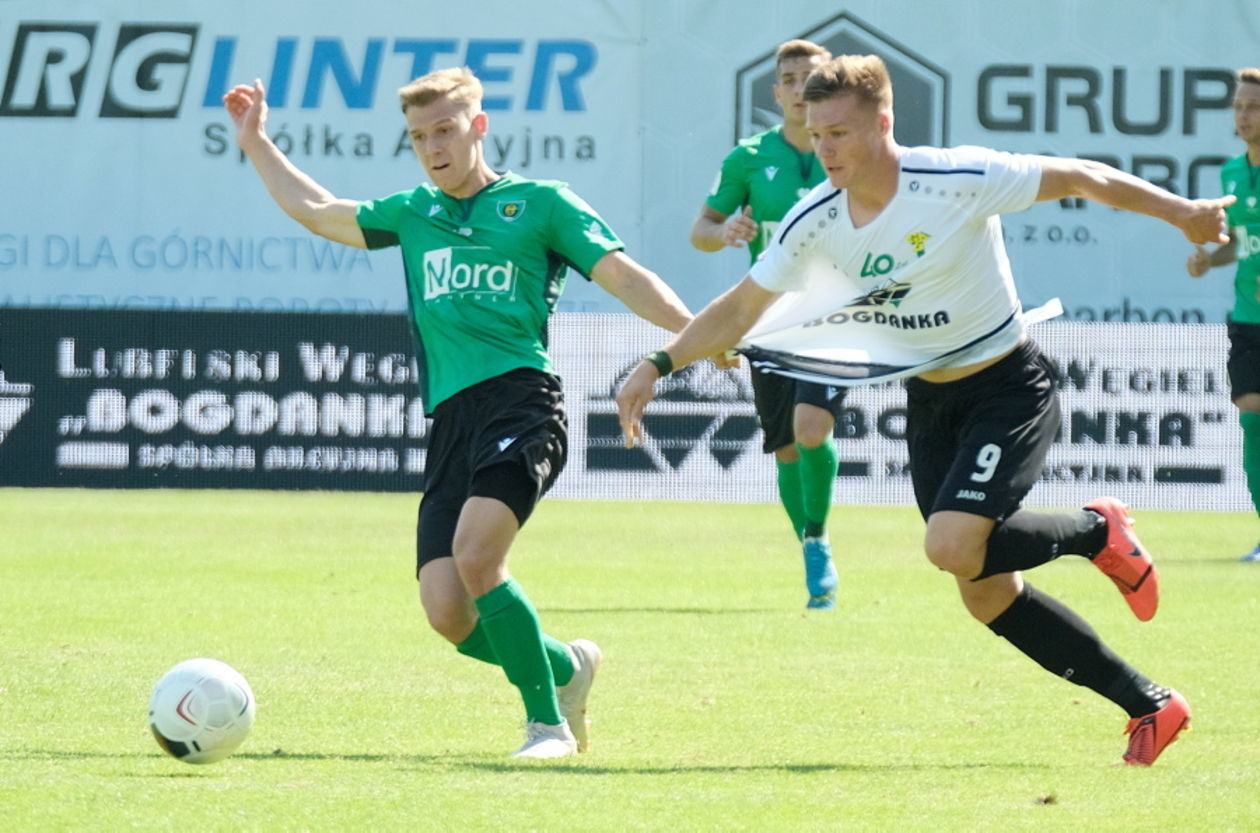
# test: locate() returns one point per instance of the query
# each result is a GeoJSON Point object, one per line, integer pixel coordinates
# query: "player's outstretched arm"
{"type": "Point", "coordinates": [301, 197]}
{"type": "Point", "coordinates": [641, 290]}
{"type": "Point", "coordinates": [717, 328]}
{"type": "Point", "coordinates": [1201, 221]}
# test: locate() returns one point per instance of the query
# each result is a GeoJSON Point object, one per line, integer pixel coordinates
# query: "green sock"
{"type": "Point", "coordinates": [515, 637]}
{"type": "Point", "coordinates": [477, 646]}
{"type": "Point", "coordinates": [1251, 454]}
{"type": "Point", "coordinates": [818, 478]}
{"type": "Point", "coordinates": [790, 493]}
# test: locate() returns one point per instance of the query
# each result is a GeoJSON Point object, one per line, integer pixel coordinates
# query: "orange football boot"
{"type": "Point", "coordinates": [1125, 561]}
{"type": "Point", "coordinates": [1151, 734]}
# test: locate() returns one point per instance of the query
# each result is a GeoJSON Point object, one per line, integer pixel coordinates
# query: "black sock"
{"type": "Point", "coordinates": [1030, 539]}
{"type": "Point", "coordinates": [1065, 645]}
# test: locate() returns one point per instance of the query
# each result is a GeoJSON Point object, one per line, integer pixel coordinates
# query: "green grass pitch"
{"type": "Point", "coordinates": [720, 705]}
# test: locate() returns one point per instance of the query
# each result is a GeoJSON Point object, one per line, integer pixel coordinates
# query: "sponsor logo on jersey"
{"type": "Point", "coordinates": [509, 210]}
{"type": "Point", "coordinates": [467, 270]}
{"type": "Point", "coordinates": [434, 210]}
{"type": "Point", "coordinates": [875, 265]}
{"type": "Point", "coordinates": [918, 241]}
{"type": "Point", "coordinates": [889, 295]}
{"type": "Point", "coordinates": [771, 172]}
{"type": "Point", "coordinates": [505, 442]}
{"type": "Point", "coordinates": [1248, 244]}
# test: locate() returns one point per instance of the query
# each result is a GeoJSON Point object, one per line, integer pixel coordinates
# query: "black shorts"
{"type": "Point", "coordinates": [776, 398]}
{"type": "Point", "coordinates": [505, 438]}
{"type": "Point", "coordinates": [1244, 358]}
{"type": "Point", "coordinates": [979, 444]}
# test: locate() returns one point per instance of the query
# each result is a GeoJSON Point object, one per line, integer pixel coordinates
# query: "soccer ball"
{"type": "Point", "coordinates": [201, 710]}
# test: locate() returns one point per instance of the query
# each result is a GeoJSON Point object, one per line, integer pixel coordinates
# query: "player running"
{"type": "Point", "coordinates": [760, 179]}
{"type": "Point", "coordinates": [486, 257]}
{"type": "Point", "coordinates": [983, 408]}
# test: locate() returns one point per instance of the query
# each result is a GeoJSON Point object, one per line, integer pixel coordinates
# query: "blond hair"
{"type": "Point", "coordinates": [864, 76]}
{"type": "Point", "coordinates": [799, 49]}
{"type": "Point", "coordinates": [458, 83]}
{"type": "Point", "coordinates": [1250, 75]}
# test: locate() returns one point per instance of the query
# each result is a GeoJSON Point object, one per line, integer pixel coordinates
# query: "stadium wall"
{"type": "Point", "coordinates": [180, 399]}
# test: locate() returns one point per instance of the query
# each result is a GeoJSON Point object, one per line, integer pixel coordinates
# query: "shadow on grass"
{"type": "Point", "coordinates": [479, 763]}
{"type": "Point", "coordinates": [277, 755]}
{"type": "Point", "coordinates": [687, 611]}
{"type": "Point", "coordinates": [576, 768]}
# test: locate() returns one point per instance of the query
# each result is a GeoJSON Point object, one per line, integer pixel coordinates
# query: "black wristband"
{"type": "Point", "coordinates": [661, 361]}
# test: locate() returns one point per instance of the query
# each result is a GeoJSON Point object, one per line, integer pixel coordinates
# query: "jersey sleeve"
{"type": "Point", "coordinates": [379, 219]}
{"type": "Point", "coordinates": [730, 190]}
{"type": "Point", "coordinates": [1010, 184]}
{"type": "Point", "coordinates": [577, 234]}
{"type": "Point", "coordinates": [782, 267]}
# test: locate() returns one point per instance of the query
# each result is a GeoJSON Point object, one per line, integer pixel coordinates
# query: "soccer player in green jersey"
{"type": "Point", "coordinates": [760, 179]}
{"type": "Point", "coordinates": [486, 256]}
{"type": "Point", "coordinates": [1241, 176]}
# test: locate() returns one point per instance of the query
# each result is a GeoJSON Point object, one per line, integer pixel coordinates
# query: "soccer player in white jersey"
{"type": "Point", "coordinates": [983, 410]}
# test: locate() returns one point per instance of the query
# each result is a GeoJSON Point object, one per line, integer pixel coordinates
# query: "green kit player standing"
{"type": "Point", "coordinates": [761, 178]}
{"type": "Point", "coordinates": [486, 257]}
{"type": "Point", "coordinates": [1241, 177]}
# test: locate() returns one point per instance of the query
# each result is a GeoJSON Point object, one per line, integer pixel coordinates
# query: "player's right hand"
{"type": "Point", "coordinates": [638, 390]}
{"type": "Point", "coordinates": [740, 228]}
{"type": "Point", "coordinates": [247, 105]}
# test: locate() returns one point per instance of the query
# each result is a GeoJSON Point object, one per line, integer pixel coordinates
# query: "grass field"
{"type": "Point", "coordinates": [720, 706]}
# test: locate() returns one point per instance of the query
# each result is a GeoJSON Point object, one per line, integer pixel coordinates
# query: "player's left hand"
{"type": "Point", "coordinates": [638, 390]}
{"type": "Point", "coordinates": [1205, 222]}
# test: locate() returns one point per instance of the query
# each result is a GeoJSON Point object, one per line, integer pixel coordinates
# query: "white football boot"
{"type": "Point", "coordinates": [543, 740]}
{"type": "Point", "coordinates": [572, 697]}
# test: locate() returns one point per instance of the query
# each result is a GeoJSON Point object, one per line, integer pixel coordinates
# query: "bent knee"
{"type": "Point", "coordinates": [453, 622]}
{"type": "Point", "coordinates": [959, 556]}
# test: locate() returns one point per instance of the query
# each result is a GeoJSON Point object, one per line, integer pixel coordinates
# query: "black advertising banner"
{"type": "Point", "coordinates": [162, 399]}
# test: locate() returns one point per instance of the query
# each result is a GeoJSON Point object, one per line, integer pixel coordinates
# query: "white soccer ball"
{"type": "Point", "coordinates": [201, 710]}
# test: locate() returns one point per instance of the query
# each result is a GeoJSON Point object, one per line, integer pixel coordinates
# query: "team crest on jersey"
{"type": "Point", "coordinates": [918, 241]}
{"type": "Point", "coordinates": [511, 209]}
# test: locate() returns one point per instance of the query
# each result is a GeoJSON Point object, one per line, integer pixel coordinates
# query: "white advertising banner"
{"type": "Point", "coordinates": [129, 191]}
{"type": "Point", "coordinates": [1146, 418]}
{"type": "Point", "coordinates": [123, 188]}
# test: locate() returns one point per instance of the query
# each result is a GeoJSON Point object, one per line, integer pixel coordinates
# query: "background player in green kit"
{"type": "Point", "coordinates": [486, 257]}
{"type": "Point", "coordinates": [761, 178]}
{"type": "Point", "coordinates": [1241, 177]}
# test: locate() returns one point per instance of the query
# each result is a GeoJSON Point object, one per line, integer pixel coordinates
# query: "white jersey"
{"type": "Point", "coordinates": [925, 284]}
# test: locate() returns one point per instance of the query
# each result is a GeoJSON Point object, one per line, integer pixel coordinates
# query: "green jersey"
{"type": "Point", "coordinates": [767, 173]}
{"type": "Point", "coordinates": [1242, 179]}
{"type": "Point", "coordinates": [484, 273]}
